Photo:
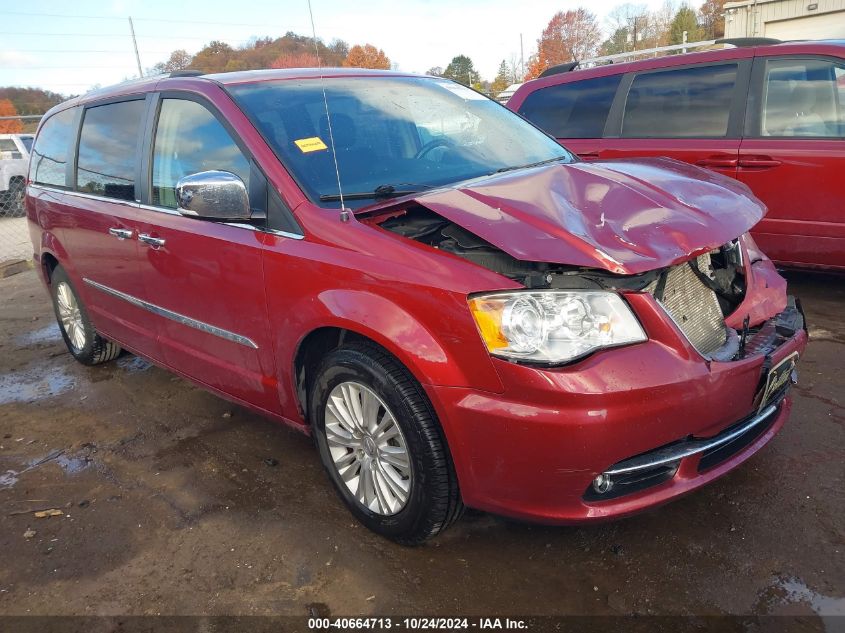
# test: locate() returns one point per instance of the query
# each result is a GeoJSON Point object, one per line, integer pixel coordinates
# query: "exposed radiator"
{"type": "Point", "coordinates": [694, 307]}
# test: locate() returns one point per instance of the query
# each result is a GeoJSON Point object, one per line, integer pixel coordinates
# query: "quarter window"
{"type": "Point", "coordinates": [50, 152]}
{"type": "Point", "coordinates": [108, 148]}
{"type": "Point", "coordinates": [688, 102]}
{"type": "Point", "coordinates": [572, 110]}
{"type": "Point", "coordinates": [189, 140]}
{"type": "Point", "coordinates": [803, 97]}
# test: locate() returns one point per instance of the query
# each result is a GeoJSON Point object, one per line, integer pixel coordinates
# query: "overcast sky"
{"type": "Point", "coordinates": [69, 46]}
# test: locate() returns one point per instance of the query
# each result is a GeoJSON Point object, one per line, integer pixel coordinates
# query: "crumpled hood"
{"type": "Point", "coordinates": [625, 216]}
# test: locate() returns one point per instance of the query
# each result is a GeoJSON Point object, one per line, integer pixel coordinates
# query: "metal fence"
{"type": "Point", "coordinates": [14, 233]}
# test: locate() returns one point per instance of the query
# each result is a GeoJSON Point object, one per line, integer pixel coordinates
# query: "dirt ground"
{"type": "Point", "coordinates": [177, 502]}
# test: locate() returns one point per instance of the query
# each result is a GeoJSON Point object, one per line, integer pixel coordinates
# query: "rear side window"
{"type": "Point", "coordinates": [50, 152]}
{"type": "Point", "coordinates": [688, 102]}
{"type": "Point", "coordinates": [107, 150]}
{"type": "Point", "coordinates": [803, 97]}
{"type": "Point", "coordinates": [577, 109]}
{"type": "Point", "coordinates": [7, 145]}
{"type": "Point", "coordinates": [189, 140]}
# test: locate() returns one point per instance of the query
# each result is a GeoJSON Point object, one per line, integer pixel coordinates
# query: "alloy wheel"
{"type": "Point", "coordinates": [368, 449]}
{"type": "Point", "coordinates": [70, 315]}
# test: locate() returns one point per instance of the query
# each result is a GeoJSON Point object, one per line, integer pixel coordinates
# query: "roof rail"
{"type": "Point", "coordinates": [186, 73]}
{"type": "Point", "coordinates": [560, 68]}
{"type": "Point", "coordinates": [742, 42]}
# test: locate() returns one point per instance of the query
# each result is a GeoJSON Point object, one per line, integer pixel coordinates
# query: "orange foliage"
{"type": "Point", "coordinates": [296, 60]}
{"type": "Point", "coordinates": [13, 126]}
{"type": "Point", "coordinates": [573, 35]}
{"type": "Point", "coordinates": [367, 56]}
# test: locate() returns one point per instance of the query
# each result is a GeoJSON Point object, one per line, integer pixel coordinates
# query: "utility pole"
{"type": "Point", "coordinates": [684, 49]}
{"type": "Point", "coordinates": [521, 61]}
{"type": "Point", "coordinates": [135, 44]}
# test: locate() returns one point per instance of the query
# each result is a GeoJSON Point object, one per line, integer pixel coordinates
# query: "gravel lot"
{"type": "Point", "coordinates": [176, 502]}
{"type": "Point", "coordinates": [14, 239]}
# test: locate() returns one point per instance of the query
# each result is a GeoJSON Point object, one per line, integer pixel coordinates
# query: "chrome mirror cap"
{"type": "Point", "coordinates": [217, 195]}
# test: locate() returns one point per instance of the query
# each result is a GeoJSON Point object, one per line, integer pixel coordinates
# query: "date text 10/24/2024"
{"type": "Point", "coordinates": [418, 623]}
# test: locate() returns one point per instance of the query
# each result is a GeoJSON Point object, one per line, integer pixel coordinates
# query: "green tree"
{"type": "Point", "coordinates": [503, 79]}
{"type": "Point", "coordinates": [460, 69]}
{"type": "Point", "coordinates": [617, 42]}
{"type": "Point", "coordinates": [685, 20]}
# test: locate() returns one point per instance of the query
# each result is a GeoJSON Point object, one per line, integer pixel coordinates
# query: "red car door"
{"type": "Point", "coordinates": [205, 278]}
{"type": "Point", "coordinates": [98, 224]}
{"type": "Point", "coordinates": [793, 156]}
{"type": "Point", "coordinates": [692, 113]}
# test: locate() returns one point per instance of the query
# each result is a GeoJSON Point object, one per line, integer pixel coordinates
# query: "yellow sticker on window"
{"type": "Point", "coordinates": [313, 144]}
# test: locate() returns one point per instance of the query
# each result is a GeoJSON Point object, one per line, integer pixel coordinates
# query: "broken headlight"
{"type": "Point", "coordinates": [553, 326]}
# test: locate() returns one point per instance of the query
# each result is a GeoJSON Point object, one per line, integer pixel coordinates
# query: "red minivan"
{"type": "Point", "coordinates": [770, 115]}
{"type": "Point", "coordinates": [458, 310]}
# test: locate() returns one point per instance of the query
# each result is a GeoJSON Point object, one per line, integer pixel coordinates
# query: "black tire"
{"type": "Point", "coordinates": [96, 349]}
{"type": "Point", "coordinates": [434, 500]}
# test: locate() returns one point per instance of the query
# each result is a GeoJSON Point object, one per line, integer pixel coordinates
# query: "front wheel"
{"type": "Point", "coordinates": [82, 340]}
{"type": "Point", "coordinates": [381, 445]}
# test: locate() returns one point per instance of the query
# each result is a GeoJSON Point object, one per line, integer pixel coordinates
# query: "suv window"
{"type": "Point", "coordinates": [803, 97]}
{"type": "Point", "coordinates": [189, 139]}
{"type": "Point", "coordinates": [572, 110]}
{"type": "Point", "coordinates": [49, 154]}
{"type": "Point", "coordinates": [687, 102]}
{"type": "Point", "coordinates": [7, 145]}
{"type": "Point", "coordinates": [107, 149]}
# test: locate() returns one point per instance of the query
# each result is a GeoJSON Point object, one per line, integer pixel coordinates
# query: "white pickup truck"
{"type": "Point", "coordinates": [14, 162]}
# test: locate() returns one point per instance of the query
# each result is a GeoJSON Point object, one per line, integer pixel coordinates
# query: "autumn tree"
{"type": "Point", "coordinates": [366, 56]}
{"type": "Point", "coordinates": [685, 20]}
{"type": "Point", "coordinates": [712, 18]}
{"type": "Point", "coordinates": [178, 60]}
{"type": "Point", "coordinates": [213, 58]}
{"type": "Point", "coordinates": [11, 126]}
{"type": "Point", "coordinates": [296, 60]}
{"type": "Point", "coordinates": [460, 69]}
{"type": "Point", "coordinates": [569, 36]}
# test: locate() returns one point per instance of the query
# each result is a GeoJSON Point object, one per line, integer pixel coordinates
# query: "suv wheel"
{"type": "Point", "coordinates": [381, 445]}
{"type": "Point", "coordinates": [82, 340]}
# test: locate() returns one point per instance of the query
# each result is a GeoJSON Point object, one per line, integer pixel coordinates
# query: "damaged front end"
{"type": "Point", "coordinates": [728, 302]}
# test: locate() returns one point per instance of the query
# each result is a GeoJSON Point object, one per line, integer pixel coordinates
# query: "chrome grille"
{"type": "Point", "coordinates": [694, 307]}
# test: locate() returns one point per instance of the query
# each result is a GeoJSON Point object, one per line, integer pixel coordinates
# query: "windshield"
{"type": "Point", "coordinates": [27, 142]}
{"type": "Point", "coordinates": [392, 134]}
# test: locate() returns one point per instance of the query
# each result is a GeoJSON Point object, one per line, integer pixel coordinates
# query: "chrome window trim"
{"type": "Point", "coordinates": [175, 316]}
{"type": "Point", "coordinates": [87, 196]}
{"type": "Point", "coordinates": [167, 210]}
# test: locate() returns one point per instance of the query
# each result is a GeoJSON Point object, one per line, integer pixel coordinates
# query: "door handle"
{"type": "Point", "coordinates": [758, 162]}
{"type": "Point", "coordinates": [718, 162]}
{"type": "Point", "coordinates": [155, 242]}
{"type": "Point", "coordinates": [588, 155]}
{"type": "Point", "coordinates": [122, 234]}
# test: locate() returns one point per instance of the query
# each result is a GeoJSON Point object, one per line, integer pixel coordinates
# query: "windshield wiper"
{"type": "Point", "coordinates": [537, 164]}
{"type": "Point", "coordinates": [382, 191]}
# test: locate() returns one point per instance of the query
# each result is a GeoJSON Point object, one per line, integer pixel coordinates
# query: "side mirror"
{"type": "Point", "coordinates": [217, 195]}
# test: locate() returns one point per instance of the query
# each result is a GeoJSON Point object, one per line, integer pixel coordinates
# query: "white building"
{"type": "Point", "coordinates": [786, 19]}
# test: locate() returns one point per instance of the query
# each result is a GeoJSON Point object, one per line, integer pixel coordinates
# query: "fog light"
{"type": "Point", "coordinates": [602, 484]}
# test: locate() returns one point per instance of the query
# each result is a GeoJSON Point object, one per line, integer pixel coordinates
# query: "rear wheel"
{"type": "Point", "coordinates": [82, 340]}
{"type": "Point", "coordinates": [381, 444]}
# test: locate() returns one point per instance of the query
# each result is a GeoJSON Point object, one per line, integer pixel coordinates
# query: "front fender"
{"type": "Point", "coordinates": [436, 356]}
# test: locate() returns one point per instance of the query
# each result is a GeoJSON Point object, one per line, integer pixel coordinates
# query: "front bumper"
{"type": "Point", "coordinates": [533, 451]}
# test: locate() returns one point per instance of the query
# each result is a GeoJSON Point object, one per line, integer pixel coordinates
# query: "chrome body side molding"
{"type": "Point", "coordinates": [175, 316]}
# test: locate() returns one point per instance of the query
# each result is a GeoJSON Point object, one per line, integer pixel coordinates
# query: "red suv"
{"type": "Point", "coordinates": [454, 306]}
{"type": "Point", "coordinates": [772, 116]}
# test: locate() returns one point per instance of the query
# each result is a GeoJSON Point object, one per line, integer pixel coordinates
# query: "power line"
{"type": "Point", "coordinates": [103, 17]}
